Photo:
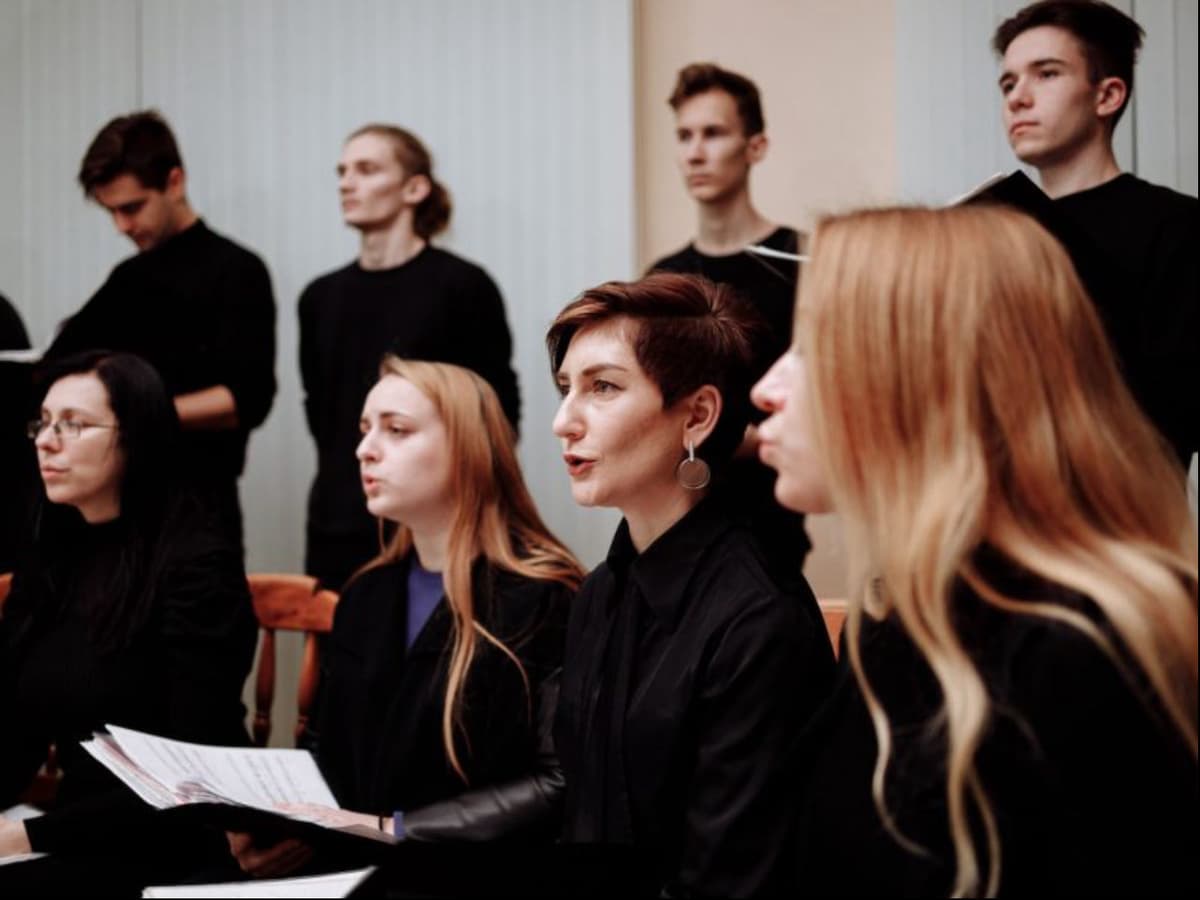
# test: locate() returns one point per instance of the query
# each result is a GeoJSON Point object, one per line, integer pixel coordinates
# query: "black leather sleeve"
{"type": "Point", "coordinates": [529, 805]}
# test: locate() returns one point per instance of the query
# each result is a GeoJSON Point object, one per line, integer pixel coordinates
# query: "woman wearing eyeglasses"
{"type": "Point", "coordinates": [127, 608]}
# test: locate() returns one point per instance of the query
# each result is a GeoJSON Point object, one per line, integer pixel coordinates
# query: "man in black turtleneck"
{"type": "Point", "coordinates": [1066, 78]}
{"type": "Point", "coordinates": [721, 135]}
{"type": "Point", "coordinates": [194, 304]}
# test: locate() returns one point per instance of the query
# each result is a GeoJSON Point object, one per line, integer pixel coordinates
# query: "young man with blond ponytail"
{"type": "Point", "coordinates": [401, 295]}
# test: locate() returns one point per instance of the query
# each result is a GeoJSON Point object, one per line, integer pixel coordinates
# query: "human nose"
{"type": "Point", "coordinates": [366, 450]}
{"type": "Point", "coordinates": [769, 395]}
{"type": "Point", "coordinates": [123, 222]}
{"type": "Point", "coordinates": [47, 436]}
{"type": "Point", "coordinates": [567, 423]}
{"type": "Point", "coordinates": [695, 149]}
{"type": "Point", "coordinates": [1018, 95]}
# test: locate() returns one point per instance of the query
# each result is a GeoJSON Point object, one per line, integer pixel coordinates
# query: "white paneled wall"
{"type": "Point", "coordinates": [526, 106]}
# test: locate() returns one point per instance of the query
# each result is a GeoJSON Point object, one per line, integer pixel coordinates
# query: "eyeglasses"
{"type": "Point", "coordinates": [65, 429]}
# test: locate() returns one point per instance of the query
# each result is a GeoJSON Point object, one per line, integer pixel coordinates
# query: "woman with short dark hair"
{"type": "Point", "coordinates": [688, 673]}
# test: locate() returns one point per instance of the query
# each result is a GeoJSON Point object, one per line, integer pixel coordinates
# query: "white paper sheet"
{"type": "Point", "coordinates": [338, 884]}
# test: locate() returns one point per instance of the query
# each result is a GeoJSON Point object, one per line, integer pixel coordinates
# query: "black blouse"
{"type": "Point", "coordinates": [1093, 792]}
{"type": "Point", "coordinates": [180, 676]}
{"type": "Point", "coordinates": [688, 678]}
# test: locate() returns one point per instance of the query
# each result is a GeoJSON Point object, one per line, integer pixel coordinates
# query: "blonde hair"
{"type": "Point", "coordinates": [495, 518]}
{"type": "Point", "coordinates": [964, 394]}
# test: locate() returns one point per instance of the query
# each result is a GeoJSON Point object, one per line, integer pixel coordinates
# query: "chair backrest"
{"type": "Point", "coordinates": [5, 584]}
{"type": "Point", "coordinates": [834, 612]}
{"type": "Point", "coordinates": [288, 603]}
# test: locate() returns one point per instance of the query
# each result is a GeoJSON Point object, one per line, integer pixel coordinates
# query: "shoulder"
{"type": "Point", "coordinates": [521, 603]}
{"type": "Point", "coordinates": [682, 260]}
{"type": "Point", "coordinates": [368, 588]}
{"type": "Point", "coordinates": [327, 284]}
{"type": "Point", "coordinates": [228, 250]}
{"type": "Point", "coordinates": [456, 268]}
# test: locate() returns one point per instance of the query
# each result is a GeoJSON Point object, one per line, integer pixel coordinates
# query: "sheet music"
{"type": "Point", "coordinates": [338, 884]}
{"type": "Point", "coordinates": [166, 772]}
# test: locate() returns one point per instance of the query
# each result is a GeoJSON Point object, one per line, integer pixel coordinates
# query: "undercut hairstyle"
{"type": "Point", "coordinates": [140, 144]}
{"type": "Point", "coordinates": [700, 78]}
{"type": "Point", "coordinates": [432, 215]}
{"type": "Point", "coordinates": [1110, 39]}
{"type": "Point", "coordinates": [686, 332]}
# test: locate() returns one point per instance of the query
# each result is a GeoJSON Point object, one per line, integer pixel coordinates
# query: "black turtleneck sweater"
{"type": "Point", "coordinates": [179, 675]}
{"type": "Point", "coordinates": [198, 308]}
{"type": "Point", "coordinates": [437, 306]}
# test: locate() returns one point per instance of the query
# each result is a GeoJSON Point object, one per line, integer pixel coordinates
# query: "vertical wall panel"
{"type": "Point", "coordinates": [526, 106]}
{"type": "Point", "coordinates": [65, 69]}
{"type": "Point", "coordinates": [949, 132]}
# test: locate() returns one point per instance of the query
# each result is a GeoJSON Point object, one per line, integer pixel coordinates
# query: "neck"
{"type": "Point", "coordinates": [184, 218]}
{"type": "Point", "coordinates": [389, 247]}
{"type": "Point", "coordinates": [101, 510]}
{"type": "Point", "coordinates": [726, 226]}
{"type": "Point", "coordinates": [650, 521]}
{"type": "Point", "coordinates": [1089, 168]}
{"type": "Point", "coordinates": [432, 544]}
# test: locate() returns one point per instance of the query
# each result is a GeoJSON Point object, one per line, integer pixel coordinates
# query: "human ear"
{"type": "Point", "coordinates": [1110, 96]}
{"type": "Point", "coordinates": [703, 411]}
{"type": "Point", "coordinates": [756, 147]}
{"type": "Point", "coordinates": [416, 188]}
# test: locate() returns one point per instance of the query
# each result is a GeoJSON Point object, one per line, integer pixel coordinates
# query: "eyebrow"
{"type": "Point", "coordinates": [1044, 61]}
{"type": "Point", "coordinates": [592, 370]}
{"type": "Point", "coordinates": [70, 411]}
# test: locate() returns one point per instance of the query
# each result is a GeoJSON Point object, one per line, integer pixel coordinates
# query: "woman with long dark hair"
{"type": "Point", "coordinates": [128, 608]}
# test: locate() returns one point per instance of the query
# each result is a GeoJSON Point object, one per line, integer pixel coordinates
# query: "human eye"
{"type": "Point", "coordinates": [600, 386]}
{"type": "Point", "coordinates": [398, 430]}
{"type": "Point", "coordinates": [71, 427]}
{"type": "Point", "coordinates": [363, 427]}
{"type": "Point", "coordinates": [1049, 72]}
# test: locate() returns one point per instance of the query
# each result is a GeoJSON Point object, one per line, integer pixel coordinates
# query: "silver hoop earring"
{"type": "Point", "coordinates": [691, 473]}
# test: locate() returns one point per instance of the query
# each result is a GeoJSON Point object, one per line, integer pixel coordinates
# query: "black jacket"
{"type": "Point", "coordinates": [378, 720]}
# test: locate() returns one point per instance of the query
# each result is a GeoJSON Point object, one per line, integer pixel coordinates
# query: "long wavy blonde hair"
{"type": "Point", "coordinates": [963, 394]}
{"type": "Point", "coordinates": [494, 518]}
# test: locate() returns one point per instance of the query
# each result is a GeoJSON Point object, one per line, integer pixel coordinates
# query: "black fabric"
{"type": "Point", "coordinates": [688, 662]}
{"type": "Point", "coordinates": [747, 487]}
{"type": "Point", "coordinates": [1150, 236]}
{"type": "Point", "coordinates": [199, 308]}
{"type": "Point", "coordinates": [378, 710]}
{"type": "Point", "coordinates": [1093, 794]}
{"type": "Point", "coordinates": [18, 470]}
{"type": "Point", "coordinates": [180, 677]}
{"type": "Point", "coordinates": [437, 306]}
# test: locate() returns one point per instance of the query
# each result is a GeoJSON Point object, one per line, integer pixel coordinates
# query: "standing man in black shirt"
{"type": "Point", "coordinates": [400, 296]}
{"type": "Point", "coordinates": [721, 134]}
{"type": "Point", "coordinates": [1067, 77]}
{"type": "Point", "coordinates": [194, 304]}
{"type": "Point", "coordinates": [18, 471]}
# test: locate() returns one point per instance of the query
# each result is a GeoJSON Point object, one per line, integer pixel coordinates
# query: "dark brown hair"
{"type": "Point", "coordinates": [1110, 39]}
{"type": "Point", "coordinates": [140, 144]}
{"type": "Point", "coordinates": [688, 332]}
{"type": "Point", "coordinates": [700, 78]}
{"type": "Point", "coordinates": [433, 214]}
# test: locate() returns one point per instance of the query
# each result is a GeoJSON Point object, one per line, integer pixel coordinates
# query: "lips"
{"type": "Point", "coordinates": [52, 472]}
{"type": "Point", "coordinates": [578, 465]}
{"type": "Point", "coordinates": [1020, 126]}
{"type": "Point", "coordinates": [369, 483]}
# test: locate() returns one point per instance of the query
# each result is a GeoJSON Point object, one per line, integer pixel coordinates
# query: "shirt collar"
{"type": "Point", "coordinates": [663, 571]}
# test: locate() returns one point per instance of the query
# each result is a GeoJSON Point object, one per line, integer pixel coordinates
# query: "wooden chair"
{"type": "Point", "coordinates": [290, 603]}
{"type": "Point", "coordinates": [42, 791]}
{"type": "Point", "coordinates": [834, 612]}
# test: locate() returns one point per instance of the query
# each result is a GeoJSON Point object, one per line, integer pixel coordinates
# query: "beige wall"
{"type": "Point", "coordinates": [826, 71]}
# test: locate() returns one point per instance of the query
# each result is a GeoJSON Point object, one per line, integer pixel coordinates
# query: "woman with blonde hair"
{"type": "Point", "coordinates": [1019, 706]}
{"type": "Point", "coordinates": [438, 684]}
